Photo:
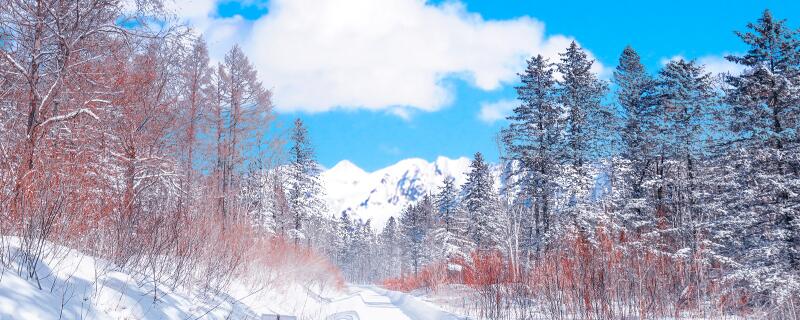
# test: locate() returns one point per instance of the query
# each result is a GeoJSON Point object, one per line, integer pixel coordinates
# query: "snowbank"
{"type": "Point", "coordinates": [78, 286]}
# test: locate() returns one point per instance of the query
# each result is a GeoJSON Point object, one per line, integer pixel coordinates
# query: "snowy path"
{"type": "Point", "coordinates": [369, 302]}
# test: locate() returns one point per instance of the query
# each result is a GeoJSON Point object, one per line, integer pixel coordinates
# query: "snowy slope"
{"type": "Point", "coordinates": [384, 193]}
{"type": "Point", "coordinates": [78, 286]}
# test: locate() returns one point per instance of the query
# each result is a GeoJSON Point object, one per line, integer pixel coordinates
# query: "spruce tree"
{"type": "Point", "coordinates": [449, 234]}
{"type": "Point", "coordinates": [580, 93]}
{"type": "Point", "coordinates": [390, 247]}
{"type": "Point", "coordinates": [447, 204]}
{"type": "Point", "coordinates": [532, 145]}
{"type": "Point", "coordinates": [636, 98]}
{"type": "Point", "coordinates": [686, 97]}
{"type": "Point", "coordinates": [415, 224]}
{"type": "Point", "coordinates": [764, 111]}
{"type": "Point", "coordinates": [481, 205]}
{"type": "Point", "coordinates": [305, 190]}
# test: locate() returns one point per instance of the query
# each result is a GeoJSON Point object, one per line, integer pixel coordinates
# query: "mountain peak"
{"type": "Point", "coordinates": [346, 167]}
{"type": "Point", "coordinates": [384, 193]}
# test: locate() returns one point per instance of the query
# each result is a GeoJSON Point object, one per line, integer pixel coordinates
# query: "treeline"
{"type": "Point", "coordinates": [674, 194]}
{"type": "Point", "coordinates": [119, 138]}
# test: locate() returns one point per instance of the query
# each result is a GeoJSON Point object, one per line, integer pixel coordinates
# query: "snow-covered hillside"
{"type": "Point", "coordinates": [75, 285]}
{"type": "Point", "coordinates": [384, 193]}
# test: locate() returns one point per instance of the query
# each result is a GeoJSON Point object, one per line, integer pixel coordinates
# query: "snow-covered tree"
{"type": "Point", "coordinates": [482, 207]}
{"type": "Point", "coordinates": [585, 118]}
{"type": "Point", "coordinates": [239, 111]}
{"type": "Point", "coordinates": [764, 227]}
{"type": "Point", "coordinates": [580, 93]}
{"type": "Point", "coordinates": [532, 142]}
{"type": "Point", "coordinates": [415, 224]}
{"type": "Point", "coordinates": [390, 248]}
{"type": "Point", "coordinates": [304, 189]}
{"type": "Point", "coordinates": [195, 79]}
{"type": "Point", "coordinates": [686, 97]}
{"type": "Point", "coordinates": [448, 237]}
{"type": "Point", "coordinates": [636, 97]}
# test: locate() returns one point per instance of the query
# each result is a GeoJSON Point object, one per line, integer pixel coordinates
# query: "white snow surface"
{"type": "Point", "coordinates": [384, 193]}
{"type": "Point", "coordinates": [77, 286]}
{"type": "Point", "coordinates": [370, 302]}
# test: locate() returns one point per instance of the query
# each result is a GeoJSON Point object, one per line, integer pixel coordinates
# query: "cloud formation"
{"type": "Point", "coordinates": [497, 110]}
{"type": "Point", "coordinates": [377, 55]}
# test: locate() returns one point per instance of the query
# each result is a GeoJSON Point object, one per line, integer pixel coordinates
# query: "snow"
{"type": "Point", "coordinates": [78, 286]}
{"type": "Point", "coordinates": [370, 302]}
{"type": "Point", "coordinates": [384, 193]}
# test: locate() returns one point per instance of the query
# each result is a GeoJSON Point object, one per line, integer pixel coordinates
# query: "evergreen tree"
{"type": "Point", "coordinates": [305, 190]}
{"type": "Point", "coordinates": [532, 143]}
{"type": "Point", "coordinates": [390, 248]}
{"type": "Point", "coordinates": [637, 100]}
{"type": "Point", "coordinates": [686, 96]}
{"type": "Point", "coordinates": [448, 235]}
{"type": "Point", "coordinates": [346, 232]}
{"type": "Point", "coordinates": [580, 93]}
{"type": "Point", "coordinates": [447, 204]}
{"type": "Point", "coordinates": [415, 224]}
{"type": "Point", "coordinates": [481, 205]}
{"type": "Point", "coordinates": [764, 111]}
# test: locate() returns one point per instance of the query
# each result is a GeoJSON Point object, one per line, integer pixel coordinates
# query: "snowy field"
{"type": "Point", "coordinates": [78, 286]}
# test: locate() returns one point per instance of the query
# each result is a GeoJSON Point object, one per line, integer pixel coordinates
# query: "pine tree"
{"type": "Point", "coordinates": [305, 190]}
{"type": "Point", "coordinates": [764, 111]}
{"type": "Point", "coordinates": [390, 248]}
{"type": "Point", "coordinates": [415, 225]}
{"type": "Point", "coordinates": [532, 143]}
{"type": "Point", "coordinates": [346, 231]}
{"type": "Point", "coordinates": [636, 98]}
{"type": "Point", "coordinates": [481, 205]}
{"type": "Point", "coordinates": [448, 237]}
{"type": "Point", "coordinates": [686, 97]}
{"type": "Point", "coordinates": [447, 204]}
{"type": "Point", "coordinates": [580, 94]}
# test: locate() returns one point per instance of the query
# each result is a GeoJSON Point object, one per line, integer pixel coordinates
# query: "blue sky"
{"type": "Point", "coordinates": [375, 126]}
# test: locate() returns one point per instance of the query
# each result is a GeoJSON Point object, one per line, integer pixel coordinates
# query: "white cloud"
{"type": "Point", "coordinates": [220, 33]}
{"type": "Point", "coordinates": [712, 63]}
{"type": "Point", "coordinates": [498, 110]}
{"type": "Point", "coordinates": [379, 55]}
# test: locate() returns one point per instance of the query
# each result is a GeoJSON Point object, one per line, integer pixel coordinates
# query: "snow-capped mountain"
{"type": "Point", "coordinates": [384, 193]}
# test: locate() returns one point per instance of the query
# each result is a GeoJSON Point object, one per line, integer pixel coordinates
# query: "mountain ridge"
{"type": "Point", "coordinates": [383, 193]}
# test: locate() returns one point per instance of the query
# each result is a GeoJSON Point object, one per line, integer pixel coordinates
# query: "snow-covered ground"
{"type": "Point", "coordinates": [370, 302]}
{"type": "Point", "coordinates": [78, 286]}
